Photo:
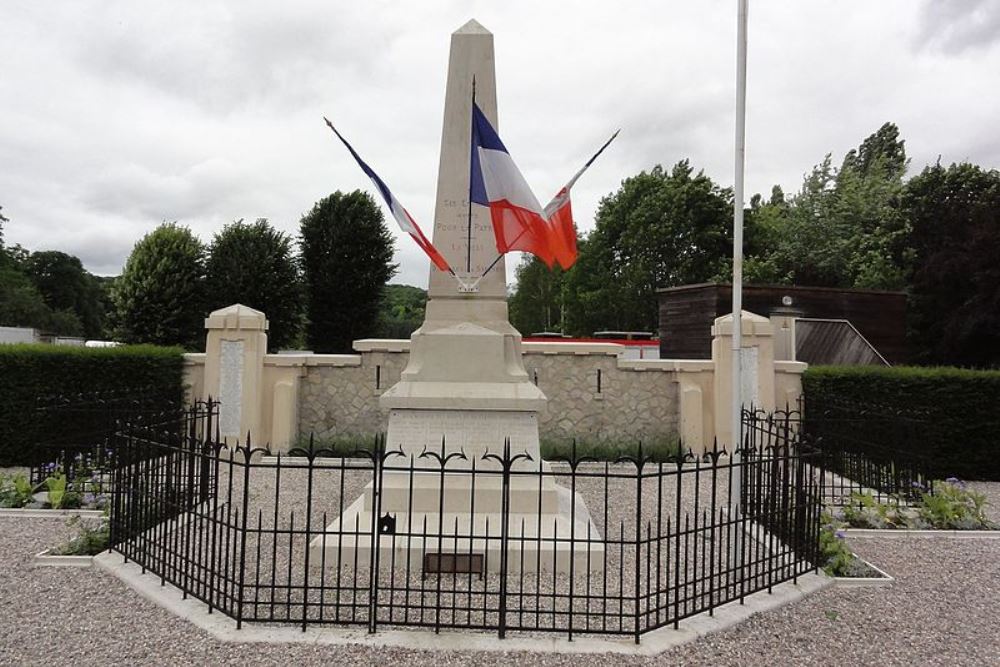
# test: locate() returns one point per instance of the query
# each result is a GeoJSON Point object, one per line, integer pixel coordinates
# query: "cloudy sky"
{"type": "Point", "coordinates": [116, 116]}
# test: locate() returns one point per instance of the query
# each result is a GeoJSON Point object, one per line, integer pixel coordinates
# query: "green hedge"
{"type": "Point", "coordinates": [31, 372]}
{"type": "Point", "coordinates": [959, 410]}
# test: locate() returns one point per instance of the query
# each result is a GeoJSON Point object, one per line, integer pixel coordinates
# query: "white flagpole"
{"type": "Point", "coordinates": [741, 112]}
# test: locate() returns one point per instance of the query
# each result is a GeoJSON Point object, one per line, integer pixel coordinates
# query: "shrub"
{"type": "Point", "coordinates": [90, 540]}
{"type": "Point", "coordinates": [952, 506]}
{"type": "Point", "coordinates": [953, 412]}
{"type": "Point", "coordinates": [30, 372]}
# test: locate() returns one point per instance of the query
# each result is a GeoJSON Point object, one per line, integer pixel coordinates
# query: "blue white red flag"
{"type": "Point", "coordinates": [402, 216]}
{"type": "Point", "coordinates": [519, 222]}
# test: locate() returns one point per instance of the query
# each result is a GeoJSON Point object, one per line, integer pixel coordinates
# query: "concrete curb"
{"type": "Point", "coordinates": [885, 579]}
{"type": "Point", "coordinates": [45, 559]}
{"type": "Point", "coordinates": [895, 533]}
{"type": "Point", "coordinates": [36, 513]}
{"type": "Point", "coordinates": [655, 642]}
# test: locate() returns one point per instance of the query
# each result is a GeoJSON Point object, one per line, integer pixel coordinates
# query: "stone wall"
{"type": "Point", "coordinates": [594, 395]}
{"type": "Point", "coordinates": [629, 404]}
{"type": "Point", "coordinates": [340, 401]}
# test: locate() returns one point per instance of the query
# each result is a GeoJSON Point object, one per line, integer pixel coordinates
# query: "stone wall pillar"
{"type": "Point", "coordinates": [234, 363]}
{"type": "Point", "coordinates": [757, 364]}
{"type": "Point", "coordinates": [783, 323]}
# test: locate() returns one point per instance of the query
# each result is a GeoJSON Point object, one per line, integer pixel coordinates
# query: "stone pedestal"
{"type": "Point", "coordinates": [234, 352]}
{"type": "Point", "coordinates": [757, 368]}
{"type": "Point", "coordinates": [465, 392]}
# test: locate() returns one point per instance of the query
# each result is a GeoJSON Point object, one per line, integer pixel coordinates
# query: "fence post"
{"type": "Point", "coordinates": [504, 520]}
{"type": "Point", "coordinates": [638, 537]}
{"type": "Point", "coordinates": [377, 460]}
{"type": "Point", "coordinates": [247, 455]}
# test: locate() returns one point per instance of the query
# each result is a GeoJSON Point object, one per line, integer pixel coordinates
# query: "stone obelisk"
{"type": "Point", "coordinates": [465, 390]}
{"type": "Point", "coordinates": [466, 355]}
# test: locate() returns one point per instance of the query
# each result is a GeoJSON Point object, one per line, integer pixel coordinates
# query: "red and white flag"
{"type": "Point", "coordinates": [559, 214]}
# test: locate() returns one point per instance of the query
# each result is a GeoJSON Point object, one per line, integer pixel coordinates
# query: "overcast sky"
{"type": "Point", "coordinates": [116, 116]}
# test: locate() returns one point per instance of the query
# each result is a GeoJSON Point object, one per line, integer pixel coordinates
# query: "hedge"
{"type": "Point", "coordinates": [33, 373]}
{"type": "Point", "coordinates": [958, 410]}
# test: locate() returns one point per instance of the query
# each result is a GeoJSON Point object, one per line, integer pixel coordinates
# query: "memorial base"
{"type": "Point", "coordinates": [535, 542]}
{"type": "Point", "coordinates": [443, 496]}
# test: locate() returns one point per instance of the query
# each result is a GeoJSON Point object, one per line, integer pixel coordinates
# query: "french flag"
{"type": "Point", "coordinates": [402, 216]}
{"type": "Point", "coordinates": [519, 222]}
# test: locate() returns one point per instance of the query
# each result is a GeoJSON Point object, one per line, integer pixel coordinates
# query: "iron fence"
{"type": "Point", "coordinates": [863, 448]}
{"type": "Point", "coordinates": [72, 432]}
{"type": "Point", "coordinates": [497, 542]}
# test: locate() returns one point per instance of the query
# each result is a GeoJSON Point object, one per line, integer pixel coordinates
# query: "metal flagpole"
{"type": "Point", "coordinates": [472, 147]}
{"type": "Point", "coordinates": [737, 372]}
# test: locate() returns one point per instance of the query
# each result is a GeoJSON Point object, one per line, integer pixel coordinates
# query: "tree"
{"type": "Point", "coordinates": [253, 264]}
{"type": "Point", "coordinates": [21, 302]}
{"type": "Point", "coordinates": [537, 302]}
{"type": "Point", "coordinates": [347, 261]}
{"type": "Point", "coordinates": [844, 228]}
{"type": "Point", "coordinates": [402, 311]}
{"type": "Point", "coordinates": [160, 296]}
{"type": "Point", "coordinates": [65, 286]}
{"type": "Point", "coordinates": [659, 229]}
{"type": "Point", "coordinates": [954, 306]}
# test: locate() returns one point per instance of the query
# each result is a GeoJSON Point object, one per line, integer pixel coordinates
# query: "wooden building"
{"type": "Point", "coordinates": [878, 317]}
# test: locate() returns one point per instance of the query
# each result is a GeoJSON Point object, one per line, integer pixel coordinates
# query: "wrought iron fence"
{"type": "Point", "coordinates": [72, 431]}
{"type": "Point", "coordinates": [384, 538]}
{"type": "Point", "coordinates": [863, 448]}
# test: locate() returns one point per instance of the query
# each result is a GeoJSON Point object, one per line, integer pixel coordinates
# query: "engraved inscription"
{"type": "Point", "coordinates": [473, 431]}
{"type": "Point", "coordinates": [230, 387]}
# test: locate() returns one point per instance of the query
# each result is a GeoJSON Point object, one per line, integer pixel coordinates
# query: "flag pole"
{"type": "Point", "coordinates": [472, 147]}
{"type": "Point", "coordinates": [736, 422]}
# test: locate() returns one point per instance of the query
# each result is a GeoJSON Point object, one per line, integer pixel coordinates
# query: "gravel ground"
{"type": "Point", "coordinates": [942, 610]}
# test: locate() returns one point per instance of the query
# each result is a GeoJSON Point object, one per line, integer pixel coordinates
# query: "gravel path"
{"type": "Point", "coordinates": [942, 610]}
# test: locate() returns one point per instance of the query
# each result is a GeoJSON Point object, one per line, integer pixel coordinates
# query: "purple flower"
{"type": "Point", "coordinates": [840, 535]}
{"type": "Point", "coordinates": [917, 485]}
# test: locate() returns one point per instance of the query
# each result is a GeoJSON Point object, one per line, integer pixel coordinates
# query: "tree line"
{"type": "Point", "coordinates": [863, 224]}
{"type": "Point", "coordinates": [322, 290]}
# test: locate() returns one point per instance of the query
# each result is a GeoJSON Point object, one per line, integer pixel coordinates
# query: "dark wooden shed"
{"type": "Point", "coordinates": [687, 313]}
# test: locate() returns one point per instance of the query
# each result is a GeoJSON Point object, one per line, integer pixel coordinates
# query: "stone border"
{"type": "Point", "coordinates": [45, 559]}
{"type": "Point", "coordinates": [39, 513]}
{"type": "Point", "coordinates": [866, 533]}
{"type": "Point", "coordinates": [885, 579]}
{"type": "Point", "coordinates": [655, 642]}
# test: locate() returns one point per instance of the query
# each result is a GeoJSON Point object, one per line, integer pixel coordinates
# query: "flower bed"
{"type": "Point", "coordinates": [78, 484]}
{"type": "Point", "coordinates": [951, 506]}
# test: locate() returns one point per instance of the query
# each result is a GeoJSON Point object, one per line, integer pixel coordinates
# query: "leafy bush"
{"type": "Point", "coordinates": [89, 541]}
{"type": "Point", "coordinates": [15, 491]}
{"type": "Point", "coordinates": [947, 417]}
{"type": "Point", "coordinates": [31, 372]}
{"type": "Point", "coordinates": [864, 511]}
{"type": "Point", "coordinates": [836, 558]}
{"type": "Point", "coordinates": [954, 506]}
{"type": "Point", "coordinates": [950, 506]}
